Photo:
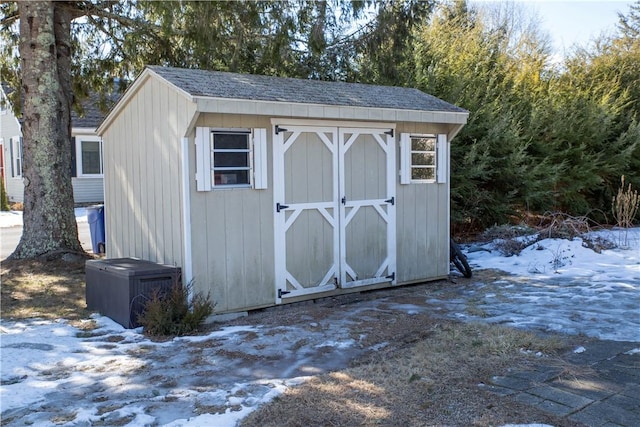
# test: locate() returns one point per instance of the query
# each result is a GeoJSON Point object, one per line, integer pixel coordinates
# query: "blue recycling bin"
{"type": "Point", "coordinates": [95, 218]}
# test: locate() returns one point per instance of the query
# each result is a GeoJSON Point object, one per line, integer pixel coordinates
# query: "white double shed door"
{"type": "Point", "coordinates": [335, 211]}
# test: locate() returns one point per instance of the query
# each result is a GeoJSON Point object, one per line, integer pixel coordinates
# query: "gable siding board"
{"type": "Point", "coordinates": [142, 149]}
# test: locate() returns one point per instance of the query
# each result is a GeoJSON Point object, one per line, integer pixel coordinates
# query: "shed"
{"type": "Point", "coordinates": [269, 190]}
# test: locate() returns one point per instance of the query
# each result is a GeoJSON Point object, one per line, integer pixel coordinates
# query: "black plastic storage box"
{"type": "Point", "coordinates": [119, 288]}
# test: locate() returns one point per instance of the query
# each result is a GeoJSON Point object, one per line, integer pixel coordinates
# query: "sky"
{"type": "Point", "coordinates": [56, 375]}
{"type": "Point", "coordinates": [575, 21]}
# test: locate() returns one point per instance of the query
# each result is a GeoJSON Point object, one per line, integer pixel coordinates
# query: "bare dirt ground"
{"type": "Point", "coordinates": [425, 370]}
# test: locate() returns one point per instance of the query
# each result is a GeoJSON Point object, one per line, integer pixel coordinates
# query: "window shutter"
{"type": "Point", "coordinates": [405, 158]}
{"type": "Point", "coordinates": [203, 159]}
{"type": "Point", "coordinates": [260, 159]}
{"type": "Point", "coordinates": [443, 159]}
{"type": "Point", "coordinates": [13, 166]}
{"type": "Point", "coordinates": [20, 157]}
{"type": "Point", "coordinates": [74, 169]}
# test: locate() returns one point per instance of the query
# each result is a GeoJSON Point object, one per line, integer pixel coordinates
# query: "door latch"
{"type": "Point", "coordinates": [281, 292]}
{"type": "Point", "coordinates": [280, 207]}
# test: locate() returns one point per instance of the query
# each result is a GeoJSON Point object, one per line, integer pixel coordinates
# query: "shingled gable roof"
{"type": "Point", "coordinates": [216, 84]}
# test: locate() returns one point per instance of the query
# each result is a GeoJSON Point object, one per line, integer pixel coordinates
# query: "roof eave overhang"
{"type": "Point", "coordinates": [206, 104]}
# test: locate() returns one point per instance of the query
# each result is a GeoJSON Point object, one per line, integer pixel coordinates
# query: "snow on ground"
{"type": "Point", "coordinates": [563, 286]}
{"type": "Point", "coordinates": [14, 218]}
{"type": "Point", "coordinates": [55, 374]}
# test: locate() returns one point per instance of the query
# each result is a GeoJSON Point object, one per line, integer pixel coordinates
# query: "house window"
{"type": "Point", "coordinates": [423, 158]}
{"type": "Point", "coordinates": [231, 158]}
{"type": "Point", "coordinates": [15, 151]}
{"type": "Point", "coordinates": [88, 156]}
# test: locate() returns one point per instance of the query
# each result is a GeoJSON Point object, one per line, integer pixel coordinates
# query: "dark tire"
{"type": "Point", "coordinates": [459, 260]}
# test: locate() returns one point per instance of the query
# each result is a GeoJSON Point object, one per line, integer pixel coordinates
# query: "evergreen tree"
{"type": "Point", "coordinates": [55, 56]}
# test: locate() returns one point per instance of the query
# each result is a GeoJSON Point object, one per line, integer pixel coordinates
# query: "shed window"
{"type": "Point", "coordinates": [231, 158]}
{"type": "Point", "coordinates": [423, 158]}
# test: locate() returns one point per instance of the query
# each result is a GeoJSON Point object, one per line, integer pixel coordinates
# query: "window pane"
{"type": "Point", "coordinates": [230, 141]}
{"type": "Point", "coordinates": [231, 177]}
{"type": "Point", "coordinates": [423, 173]}
{"type": "Point", "coordinates": [423, 144]}
{"type": "Point", "coordinates": [91, 157]}
{"type": "Point", "coordinates": [229, 160]}
{"type": "Point", "coordinates": [423, 159]}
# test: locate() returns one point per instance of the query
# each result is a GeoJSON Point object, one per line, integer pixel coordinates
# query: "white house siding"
{"type": "Point", "coordinates": [143, 175]}
{"type": "Point", "coordinates": [232, 232]}
{"type": "Point", "coordinates": [9, 128]}
{"type": "Point", "coordinates": [88, 190]}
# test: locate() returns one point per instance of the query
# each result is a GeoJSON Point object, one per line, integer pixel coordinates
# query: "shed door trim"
{"type": "Point", "coordinates": [333, 211]}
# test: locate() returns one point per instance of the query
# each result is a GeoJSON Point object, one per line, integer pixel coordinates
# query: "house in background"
{"type": "Point", "coordinates": [269, 190]}
{"type": "Point", "coordinates": [85, 146]}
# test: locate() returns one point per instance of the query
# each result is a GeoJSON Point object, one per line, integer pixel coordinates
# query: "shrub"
{"type": "Point", "coordinates": [559, 225]}
{"type": "Point", "coordinates": [171, 314]}
{"type": "Point", "coordinates": [510, 240]}
{"type": "Point", "coordinates": [625, 205]}
{"type": "Point", "coordinates": [4, 200]}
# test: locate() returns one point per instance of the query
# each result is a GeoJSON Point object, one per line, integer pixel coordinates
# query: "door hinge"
{"type": "Point", "coordinates": [281, 292]}
{"type": "Point", "coordinates": [392, 200]}
{"type": "Point", "coordinates": [392, 276]}
{"type": "Point", "coordinates": [389, 132]}
{"type": "Point", "coordinates": [344, 200]}
{"type": "Point", "coordinates": [279, 129]}
{"type": "Point", "coordinates": [280, 207]}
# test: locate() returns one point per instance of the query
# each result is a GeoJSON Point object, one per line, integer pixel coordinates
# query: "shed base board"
{"type": "Point", "coordinates": [312, 299]}
{"type": "Point", "coordinates": [226, 317]}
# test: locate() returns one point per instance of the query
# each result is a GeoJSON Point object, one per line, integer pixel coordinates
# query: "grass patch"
{"type": "Point", "coordinates": [435, 381]}
{"type": "Point", "coordinates": [43, 289]}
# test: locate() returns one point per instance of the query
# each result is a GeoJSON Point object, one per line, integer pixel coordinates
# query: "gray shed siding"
{"type": "Point", "coordinates": [232, 232]}
{"type": "Point", "coordinates": [143, 197]}
{"type": "Point", "coordinates": [422, 220]}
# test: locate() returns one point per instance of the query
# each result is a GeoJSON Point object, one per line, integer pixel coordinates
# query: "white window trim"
{"type": "Point", "coordinates": [79, 171]}
{"type": "Point", "coordinates": [15, 145]}
{"type": "Point", "coordinates": [257, 159]}
{"type": "Point", "coordinates": [441, 159]}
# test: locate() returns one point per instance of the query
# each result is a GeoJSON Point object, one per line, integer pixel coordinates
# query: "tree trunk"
{"type": "Point", "coordinates": [50, 227]}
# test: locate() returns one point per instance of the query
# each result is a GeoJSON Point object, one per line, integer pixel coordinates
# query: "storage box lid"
{"type": "Point", "coordinates": [130, 267]}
